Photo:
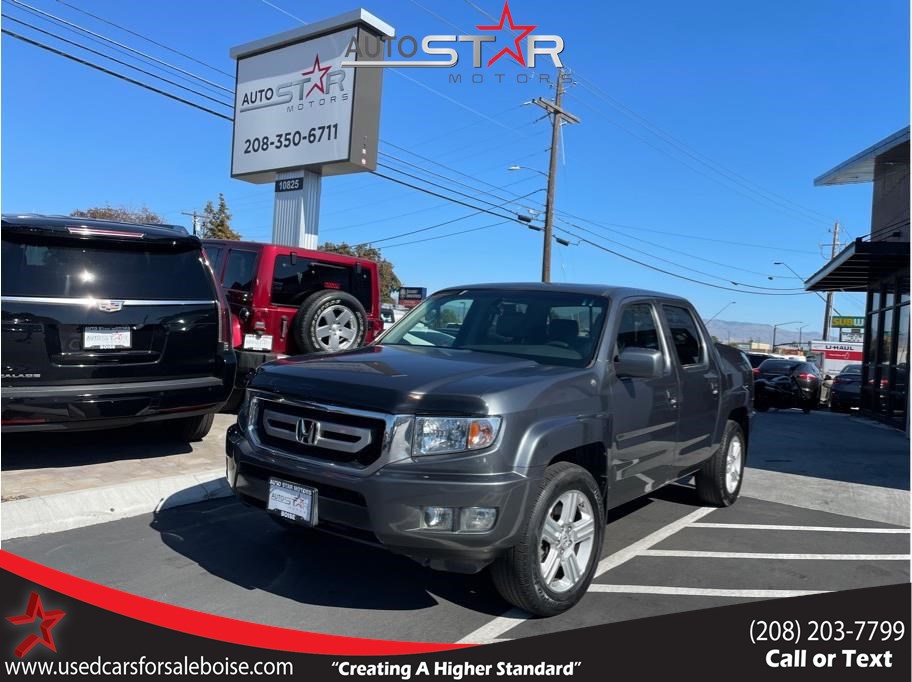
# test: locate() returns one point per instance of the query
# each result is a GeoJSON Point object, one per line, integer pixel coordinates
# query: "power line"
{"type": "Point", "coordinates": [436, 184]}
{"type": "Point", "coordinates": [673, 274]}
{"type": "Point", "coordinates": [35, 10]}
{"type": "Point", "coordinates": [683, 267]}
{"type": "Point", "coordinates": [458, 182]}
{"type": "Point", "coordinates": [437, 194]}
{"type": "Point", "coordinates": [697, 155]}
{"type": "Point", "coordinates": [146, 38]}
{"type": "Point", "coordinates": [283, 11]}
{"type": "Point", "coordinates": [450, 234]}
{"type": "Point", "coordinates": [113, 73]}
{"type": "Point", "coordinates": [713, 178]}
{"type": "Point", "coordinates": [591, 222]}
{"type": "Point", "coordinates": [683, 253]}
{"type": "Point", "coordinates": [113, 59]}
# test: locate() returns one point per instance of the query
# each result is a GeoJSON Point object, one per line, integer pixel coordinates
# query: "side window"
{"type": "Point", "coordinates": [214, 254]}
{"type": "Point", "coordinates": [240, 271]}
{"type": "Point", "coordinates": [687, 341]}
{"type": "Point", "coordinates": [637, 329]}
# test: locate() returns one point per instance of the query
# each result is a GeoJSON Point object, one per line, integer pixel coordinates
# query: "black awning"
{"type": "Point", "coordinates": [860, 265]}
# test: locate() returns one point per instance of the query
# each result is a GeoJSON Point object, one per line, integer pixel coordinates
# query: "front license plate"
{"type": "Point", "coordinates": [262, 342]}
{"type": "Point", "coordinates": [292, 501]}
{"type": "Point", "coordinates": [106, 338]}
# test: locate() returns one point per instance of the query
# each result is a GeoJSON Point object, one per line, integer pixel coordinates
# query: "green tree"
{"type": "Point", "coordinates": [121, 214]}
{"type": "Point", "coordinates": [217, 221]}
{"type": "Point", "coordinates": [389, 283]}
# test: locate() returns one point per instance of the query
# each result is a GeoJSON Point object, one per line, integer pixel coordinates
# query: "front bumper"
{"type": "Point", "coordinates": [383, 508]}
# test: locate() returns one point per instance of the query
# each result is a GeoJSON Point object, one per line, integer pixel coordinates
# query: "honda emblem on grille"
{"type": "Point", "coordinates": [110, 306]}
{"type": "Point", "coordinates": [306, 431]}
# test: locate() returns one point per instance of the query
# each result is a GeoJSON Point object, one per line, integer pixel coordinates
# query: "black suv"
{"type": "Point", "coordinates": [107, 324]}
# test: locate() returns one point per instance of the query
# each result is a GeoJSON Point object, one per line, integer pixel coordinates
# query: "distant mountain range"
{"type": "Point", "coordinates": [726, 330]}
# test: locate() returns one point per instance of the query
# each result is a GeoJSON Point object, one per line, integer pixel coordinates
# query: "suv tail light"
{"type": "Point", "coordinates": [224, 326]}
{"type": "Point", "coordinates": [756, 371]}
{"type": "Point", "coordinates": [808, 376]}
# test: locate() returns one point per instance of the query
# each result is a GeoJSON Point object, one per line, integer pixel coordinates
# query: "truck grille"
{"type": "Point", "coordinates": [316, 433]}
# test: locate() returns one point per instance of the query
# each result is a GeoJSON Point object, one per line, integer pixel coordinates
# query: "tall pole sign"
{"type": "Point", "coordinates": [299, 115]}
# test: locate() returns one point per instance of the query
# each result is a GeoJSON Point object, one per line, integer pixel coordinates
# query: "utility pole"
{"type": "Point", "coordinates": [558, 116]}
{"type": "Point", "coordinates": [828, 309]}
{"type": "Point", "coordinates": [195, 216]}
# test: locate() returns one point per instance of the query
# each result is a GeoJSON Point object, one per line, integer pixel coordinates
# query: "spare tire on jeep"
{"type": "Point", "coordinates": [329, 321]}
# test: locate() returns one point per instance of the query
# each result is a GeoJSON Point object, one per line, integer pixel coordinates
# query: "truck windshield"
{"type": "Point", "coordinates": [553, 328]}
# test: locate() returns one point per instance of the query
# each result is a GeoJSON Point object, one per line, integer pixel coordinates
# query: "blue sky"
{"type": "Point", "coordinates": [774, 92]}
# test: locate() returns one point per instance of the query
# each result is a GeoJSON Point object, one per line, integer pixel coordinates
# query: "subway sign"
{"type": "Point", "coordinates": [840, 322]}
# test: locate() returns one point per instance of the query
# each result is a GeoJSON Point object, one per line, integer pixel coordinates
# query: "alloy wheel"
{"type": "Point", "coordinates": [567, 541]}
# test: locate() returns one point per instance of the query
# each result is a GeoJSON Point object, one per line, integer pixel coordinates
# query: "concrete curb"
{"type": "Point", "coordinates": [66, 511]}
{"type": "Point", "coordinates": [870, 502]}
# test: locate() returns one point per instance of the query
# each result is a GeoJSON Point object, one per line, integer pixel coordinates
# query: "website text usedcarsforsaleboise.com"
{"type": "Point", "coordinates": [178, 667]}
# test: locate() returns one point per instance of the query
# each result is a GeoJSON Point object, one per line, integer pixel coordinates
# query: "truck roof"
{"type": "Point", "coordinates": [590, 289]}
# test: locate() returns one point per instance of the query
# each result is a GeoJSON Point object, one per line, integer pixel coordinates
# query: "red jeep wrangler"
{"type": "Point", "coordinates": [288, 301]}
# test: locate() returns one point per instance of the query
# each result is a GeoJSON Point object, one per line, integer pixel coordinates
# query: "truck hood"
{"type": "Point", "coordinates": [411, 379]}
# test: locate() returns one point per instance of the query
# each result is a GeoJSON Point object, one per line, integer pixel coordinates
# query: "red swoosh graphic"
{"type": "Point", "coordinates": [207, 625]}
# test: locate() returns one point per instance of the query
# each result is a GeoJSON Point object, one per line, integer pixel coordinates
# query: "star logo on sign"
{"type": "Point", "coordinates": [48, 620]}
{"type": "Point", "coordinates": [526, 30]}
{"type": "Point", "coordinates": [317, 68]}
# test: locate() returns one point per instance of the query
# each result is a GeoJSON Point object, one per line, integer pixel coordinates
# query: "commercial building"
{"type": "Point", "coordinates": [879, 265]}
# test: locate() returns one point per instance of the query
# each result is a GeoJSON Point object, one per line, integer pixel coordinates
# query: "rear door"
{"type": "Point", "coordinates": [699, 379]}
{"type": "Point", "coordinates": [105, 309]}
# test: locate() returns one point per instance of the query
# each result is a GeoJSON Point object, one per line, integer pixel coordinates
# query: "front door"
{"type": "Point", "coordinates": [644, 411]}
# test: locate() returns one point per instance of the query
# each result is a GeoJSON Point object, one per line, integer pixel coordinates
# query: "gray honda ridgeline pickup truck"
{"type": "Point", "coordinates": [495, 425]}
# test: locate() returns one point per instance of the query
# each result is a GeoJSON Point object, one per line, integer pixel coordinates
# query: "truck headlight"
{"type": "Point", "coordinates": [442, 435]}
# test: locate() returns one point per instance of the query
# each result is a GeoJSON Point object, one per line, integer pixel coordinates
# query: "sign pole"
{"type": "Point", "coordinates": [296, 215]}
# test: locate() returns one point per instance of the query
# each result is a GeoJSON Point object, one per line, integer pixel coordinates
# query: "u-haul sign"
{"type": "Point", "coordinates": [834, 355]}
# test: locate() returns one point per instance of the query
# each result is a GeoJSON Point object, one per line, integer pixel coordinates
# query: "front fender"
{"type": "Point", "coordinates": [546, 439]}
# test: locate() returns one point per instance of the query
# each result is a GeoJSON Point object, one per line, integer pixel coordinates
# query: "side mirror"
{"type": "Point", "coordinates": [640, 363]}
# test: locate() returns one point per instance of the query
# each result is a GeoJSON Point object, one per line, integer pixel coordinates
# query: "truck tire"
{"type": "Point", "coordinates": [329, 321]}
{"type": "Point", "coordinates": [531, 575]}
{"type": "Point", "coordinates": [719, 481]}
{"type": "Point", "coordinates": [191, 429]}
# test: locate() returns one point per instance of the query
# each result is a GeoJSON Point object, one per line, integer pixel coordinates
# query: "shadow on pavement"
{"type": "Point", "coordinates": [245, 546]}
{"type": "Point", "coordinates": [39, 450]}
{"type": "Point", "coordinates": [248, 548]}
{"type": "Point", "coordinates": [832, 446]}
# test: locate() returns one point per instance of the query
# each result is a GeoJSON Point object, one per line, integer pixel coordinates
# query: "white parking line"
{"type": "Point", "coordinates": [495, 628]}
{"type": "Point", "coordinates": [701, 591]}
{"type": "Point", "coordinates": [814, 529]}
{"type": "Point", "coordinates": [492, 630]}
{"type": "Point", "coordinates": [770, 555]}
{"type": "Point", "coordinates": [645, 543]}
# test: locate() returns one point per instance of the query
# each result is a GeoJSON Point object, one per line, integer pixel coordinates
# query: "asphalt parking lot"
{"type": "Point", "coordinates": [662, 554]}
